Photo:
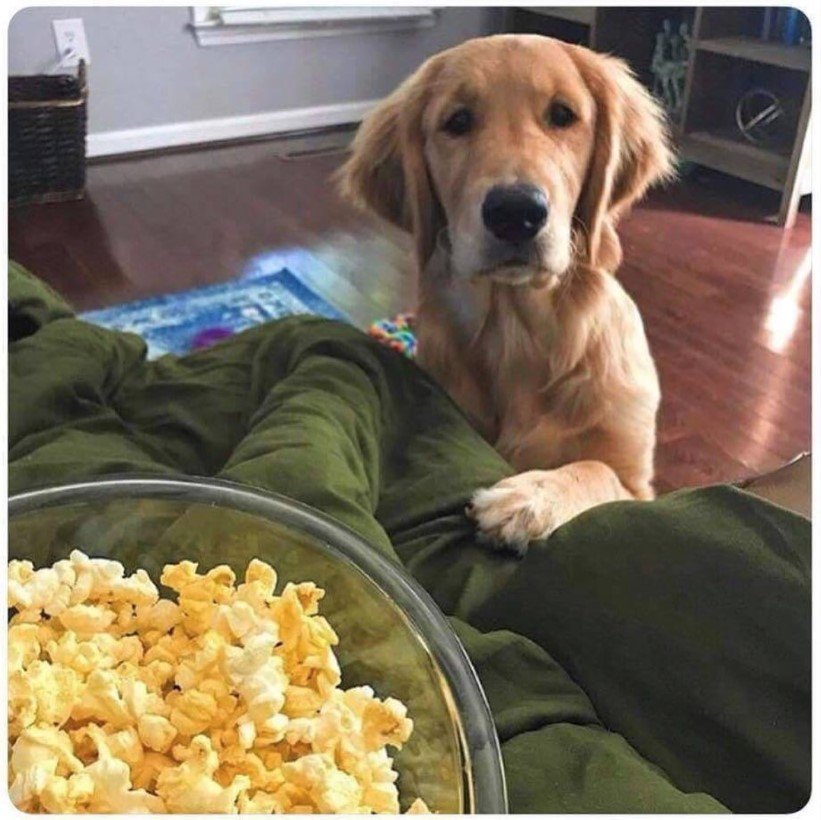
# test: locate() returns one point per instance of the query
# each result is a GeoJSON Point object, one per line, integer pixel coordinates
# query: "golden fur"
{"type": "Point", "coordinates": [548, 357]}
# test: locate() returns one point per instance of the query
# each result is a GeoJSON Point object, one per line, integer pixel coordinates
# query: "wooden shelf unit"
{"type": "Point", "coordinates": [737, 157]}
{"type": "Point", "coordinates": [729, 52]}
{"type": "Point", "coordinates": [573, 14]}
{"type": "Point", "coordinates": [629, 32]}
{"type": "Point", "coordinates": [728, 57]}
{"type": "Point", "coordinates": [795, 58]}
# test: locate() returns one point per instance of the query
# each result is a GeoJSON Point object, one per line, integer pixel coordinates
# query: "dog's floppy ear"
{"type": "Point", "coordinates": [372, 177]}
{"type": "Point", "coordinates": [631, 152]}
{"type": "Point", "coordinates": [386, 172]}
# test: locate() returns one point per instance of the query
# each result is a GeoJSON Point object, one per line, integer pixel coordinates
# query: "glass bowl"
{"type": "Point", "coordinates": [392, 635]}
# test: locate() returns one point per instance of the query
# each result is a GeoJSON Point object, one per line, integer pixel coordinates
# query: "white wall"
{"type": "Point", "coordinates": [147, 69]}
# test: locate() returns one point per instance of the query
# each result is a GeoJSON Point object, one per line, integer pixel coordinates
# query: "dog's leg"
{"type": "Point", "coordinates": [529, 506]}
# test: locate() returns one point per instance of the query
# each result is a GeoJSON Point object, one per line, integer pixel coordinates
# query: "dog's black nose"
{"type": "Point", "coordinates": [514, 213]}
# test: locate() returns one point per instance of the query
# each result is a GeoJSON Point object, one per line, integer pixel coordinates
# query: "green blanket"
{"type": "Point", "coordinates": [648, 657]}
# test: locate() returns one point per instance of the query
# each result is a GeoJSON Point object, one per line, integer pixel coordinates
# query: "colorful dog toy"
{"type": "Point", "coordinates": [396, 333]}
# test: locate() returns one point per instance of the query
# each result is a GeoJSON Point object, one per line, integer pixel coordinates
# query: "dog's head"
{"type": "Point", "coordinates": [526, 149]}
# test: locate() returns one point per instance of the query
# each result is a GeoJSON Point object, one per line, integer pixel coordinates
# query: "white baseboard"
{"type": "Point", "coordinates": [131, 140]}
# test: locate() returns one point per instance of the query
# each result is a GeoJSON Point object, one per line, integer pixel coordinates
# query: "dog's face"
{"type": "Point", "coordinates": [520, 150]}
{"type": "Point", "coordinates": [508, 137]}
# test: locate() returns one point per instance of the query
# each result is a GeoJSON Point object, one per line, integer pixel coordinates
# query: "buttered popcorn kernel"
{"type": "Point", "coordinates": [225, 701]}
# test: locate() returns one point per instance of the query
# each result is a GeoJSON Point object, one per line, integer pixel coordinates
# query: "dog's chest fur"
{"type": "Point", "coordinates": [508, 356]}
{"type": "Point", "coordinates": [533, 368]}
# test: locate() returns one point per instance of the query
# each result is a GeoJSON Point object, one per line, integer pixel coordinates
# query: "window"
{"type": "Point", "coordinates": [225, 25]}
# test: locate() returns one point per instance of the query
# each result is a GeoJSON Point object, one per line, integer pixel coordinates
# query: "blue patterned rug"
{"type": "Point", "coordinates": [269, 288]}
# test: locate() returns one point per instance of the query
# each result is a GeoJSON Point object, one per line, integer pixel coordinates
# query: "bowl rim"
{"type": "Point", "coordinates": [487, 777]}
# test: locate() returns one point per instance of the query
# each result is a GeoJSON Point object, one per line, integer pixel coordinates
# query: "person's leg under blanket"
{"type": "Point", "coordinates": [687, 622]}
{"type": "Point", "coordinates": [63, 423]}
{"type": "Point", "coordinates": [340, 424]}
{"type": "Point", "coordinates": [557, 754]}
{"type": "Point", "coordinates": [316, 438]}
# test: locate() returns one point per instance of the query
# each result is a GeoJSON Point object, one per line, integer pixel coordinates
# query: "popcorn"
{"type": "Point", "coordinates": [226, 700]}
{"type": "Point", "coordinates": [67, 795]}
{"type": "Point", "coordinates": [42, 693]}
{"type": "Point", "coordinates": [45, 745]}
{"type": "Point", "coordinates": [190, 788]}
{"type": "Point", "coordinates": [156, 732]}
{"type": "Point", "coordinates": [145, 775]}
{"type": "Point", "coordinates": [418, 807]}
{"type": "Point", "coordinates": [39, 758]}
{"type": "Point", "coordinates": [24, 646]}
{"type": "Point", "coordinates": [113, 792]}
{"type": "Point", "coordinates": [192, 711]}
{"type": "Point", "coordinates": [331, 790]}
{"type": "Point", "coordinates": [102, 701]}
{"type": "Point", "coordinates": [257, 675]}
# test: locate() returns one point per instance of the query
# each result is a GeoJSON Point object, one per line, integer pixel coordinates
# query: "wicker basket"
{"type": "Point", "coordinates": [47, 136]}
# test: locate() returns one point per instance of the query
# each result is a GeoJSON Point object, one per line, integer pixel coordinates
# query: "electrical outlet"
{"type": "Point", "coordinates": [72, 46]}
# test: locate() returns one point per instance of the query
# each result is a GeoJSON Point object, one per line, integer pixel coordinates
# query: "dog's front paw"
{"type": "Point", "coordinates": [519, 510]}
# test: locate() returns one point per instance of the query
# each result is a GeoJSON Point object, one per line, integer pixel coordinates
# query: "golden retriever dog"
{"type": "Point", "coordinates": [510, 160]}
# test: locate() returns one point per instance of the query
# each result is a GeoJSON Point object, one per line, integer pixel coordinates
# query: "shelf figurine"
{"type": "Point", "coordinates": [669, 65]}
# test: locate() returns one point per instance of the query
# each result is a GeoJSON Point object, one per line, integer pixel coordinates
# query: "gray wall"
{"type": "Point", "coordinates": [147, 68]}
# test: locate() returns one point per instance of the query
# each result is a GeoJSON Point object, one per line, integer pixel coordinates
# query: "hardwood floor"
{"type": "Point", "coordinates": [725, 296]}
{"type": "Point", "coordinates": [175, 221]}
{"type": "Point", "coordinates": [726, 304]}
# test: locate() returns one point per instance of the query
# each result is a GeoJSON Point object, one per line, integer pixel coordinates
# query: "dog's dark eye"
{"type": "Point", "coordinates": [458, 123]}
{"type": "Point", "coordinates": [560, 115]}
